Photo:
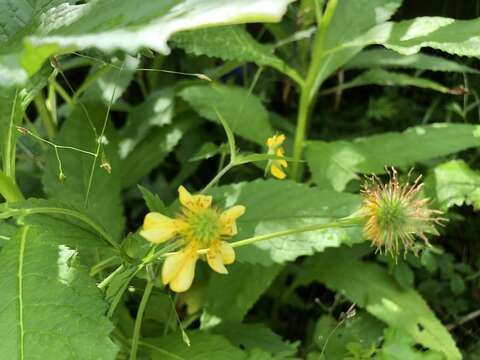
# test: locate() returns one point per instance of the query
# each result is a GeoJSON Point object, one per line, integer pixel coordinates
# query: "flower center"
{"type": "Point", "coordinates": [204, 227]}
{"type": "Point", "coordinates": [392, 215]}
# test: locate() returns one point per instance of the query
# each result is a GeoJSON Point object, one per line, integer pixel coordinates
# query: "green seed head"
{"type": "Point", "coordinates": [396, 214]}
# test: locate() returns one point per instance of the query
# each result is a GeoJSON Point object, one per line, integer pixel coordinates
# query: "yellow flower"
{"type": "Point", "coordinates": [198, 226]}
{"type": "Point", "coordinates": [274, 144]}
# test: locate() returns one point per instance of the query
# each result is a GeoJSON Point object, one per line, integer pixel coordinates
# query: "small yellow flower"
{"type": "Point", "coordinates": [396, 214]}
{"type": "Point", "coordinates": [198, 226]}
{"type": "Point", "coordinates": [274, 144]}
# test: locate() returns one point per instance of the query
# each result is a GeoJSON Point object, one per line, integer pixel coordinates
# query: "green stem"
{"type": "Point", "coordinates": [9, 143]}
{"type": "Point", "coordinates": [217, 177]}
{"type": "Point", "coordinates": [300, 131]}
{"type": "Point", "coordinates": [110, 277]}
{"type": "Point", "coordinates": [308, 90]}
{"type": "Point", "coordinates": [139, 319]}
{"type": "Point", "coordinates": [63, 93]}
{"type": "Point", "coordinates": [44, 115]}
{"type": "Point", "coordinates": [341, 223]}
{"type": "Point", "coordinates": [8, 189]}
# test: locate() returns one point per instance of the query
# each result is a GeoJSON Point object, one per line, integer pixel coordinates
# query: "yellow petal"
{"type": "Point", "coordinates": [280, 152]}
{"type": "Point", "coordinates": [215, 261]}
{"type": "Point", "coordinates": [158, 228]}
{"type": "Point", "coordinates": [156, 220]}
{"type": "Point", "coordinates": [232, 213]}
{"type": "Point", "coordinates": [215, 258]}
{"type": "Point", "coordinates": [228, 254]}
{"type": "Point", "coordinates": [227, 220]}
{"type": "Point", "coordinates": [184, 196]}
{"type": "Point", "coordinates": [193, 202]}
{"type": "Point", "coordinates": [271, 141]}
{"type": "Point", "coordinates": [277, 172]}
{"type": "Point", "coordinates": [179, 269]}
{"type": "Point", "coordinates": [283, 163]}
{"type": "Point", "coordinates": [280, 139]}
{"type": "Point", "coordinates": [158, 236]}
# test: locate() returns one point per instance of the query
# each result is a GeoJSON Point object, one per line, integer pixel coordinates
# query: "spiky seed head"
{"type": "Point", "coordinates": [396, 214]}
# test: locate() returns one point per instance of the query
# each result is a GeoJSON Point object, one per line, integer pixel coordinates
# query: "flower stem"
{"type": "Point", "coordinates": [217, 177]}
{"type": "Point", "coordinates": [340, 223]}
{"type": "Point", "coordinates": [139, 319]}
{"type": "Point", "coordinates": [110, 277]}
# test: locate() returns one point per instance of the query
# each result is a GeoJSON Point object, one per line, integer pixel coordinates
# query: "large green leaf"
{"type": "Point", "coordinates": [231, 43]}
{"type": "Point", "coordinates": [370, 286]}
{"type": "Point", "coordinates": [368, 59]}
{"type": "Point", "coordinates": [230, 297]}
{"type": "Point", "coordinates": [50, 308]}
{"type": "Point", "coordinates": [242, 110]}
{"type": "Point", "coordinates": [334, 164]}
{"type": "Point", "coordinates": [87, 184]}
{"type": "Point", "coordinates": [458, 37]}
{"type": "Point", "coordinates": [455, 183]}
{"type": "Point", "coordinates": [203, 346]}
{"type": "Point", "coordinates": [115, 24]}
{"type": "Point", "coordinates": [398, 346]}
{"type": "Point", "coordinates": [61, 224]}
{"type": "Point", "coordinates": [274, 205]}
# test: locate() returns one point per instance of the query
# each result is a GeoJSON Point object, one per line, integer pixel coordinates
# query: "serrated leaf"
{"type": "Point", "coordinates": [458, 37]}
{"type": "Point", "coordinates": [231, 43]}
{"type": "Point", "coordinates": [368, 59]}
{"type": "Point", "coordinates": [115, 24]}
{"type": "Point", "coordinates": [61, 223]}
{"type": "Point", "coordinates": [50, 309]}
{"type": "Point", "coordinates": [273, 205]}
{"type": "Point", "coordinates": [204, 346]}
{"type": "Point", "coordinates": [230, 297]}
{"type": "Point", "coordinates": [243, 111]}
{"type": "Point", "coordinates": [454, 183]}
{"type": "Point", "coordinates": [335, 164]}
{"type": "Point", "coordinates": [370, 287]}
{"type": "Point", "coordinates": [99, 194]}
